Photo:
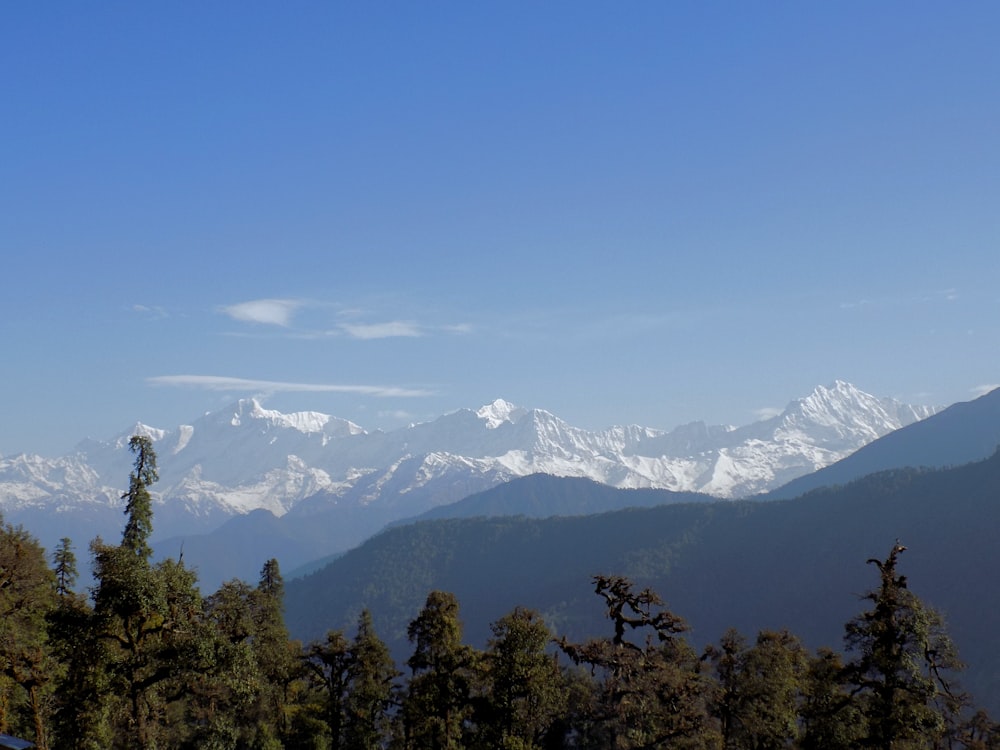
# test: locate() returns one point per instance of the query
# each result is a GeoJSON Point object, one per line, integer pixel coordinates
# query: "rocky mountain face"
{"type": "Point", "coordinates": [247, 458]}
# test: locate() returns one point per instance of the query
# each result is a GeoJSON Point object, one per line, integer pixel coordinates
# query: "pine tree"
{"type": "Point", "coordinates": [759, 689]}
{"type": "Point", "coordinates": [328, 664]}
{"type": "Point", "coordinates": [222, 702]}
{"type": "Point", "coordinates": [902, 665]}
{"type": "Point", "coordinates": [276, 657]}
{"type": "Point", "coordinates": [139, 504]}
{"type": "Point", "coordinates": [145, 616]}
{"type": "Point", "coordinates": [371, 691]}
{"type": "Point", "coordinates": [436, 705]}
{"type": "Point", "coordinates": [79, 719]}
{"type": "Point", "coordinates": [652, 694]}
{"type": "Point", "coordinates": [65, 571]}
{"type": "Point", "coordinates": [522, 685]}
{"type": "Point", "coordinates": [27, 669]}
{"type": "Point", "coordinates": [830, 716]}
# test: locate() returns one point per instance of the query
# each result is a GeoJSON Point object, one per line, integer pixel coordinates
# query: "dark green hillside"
{"type": "Point", "coordinates": [796, 564]}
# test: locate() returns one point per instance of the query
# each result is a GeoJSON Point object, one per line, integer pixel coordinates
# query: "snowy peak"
{"type": "Point", "coordinates": [251, 411]}
{"type": "Point", "coordinates": [247, 457]}
{"type": "Point", "coordinates": [499, 412]}
{"type": "Point", "coordinates": [843, 415]}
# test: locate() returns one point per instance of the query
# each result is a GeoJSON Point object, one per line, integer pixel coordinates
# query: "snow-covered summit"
{"type": "Point", "coordinates": [250, 411]}
{"type": "Point", "coordinates": [246, 457]}
{"type": "Point", "coordinates": [498, 412]}
{"type": "Point", "coordinates": [849, 413]}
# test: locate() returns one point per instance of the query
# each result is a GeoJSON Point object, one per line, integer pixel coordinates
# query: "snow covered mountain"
{"type": "Point", "coordinates": [247, 458]}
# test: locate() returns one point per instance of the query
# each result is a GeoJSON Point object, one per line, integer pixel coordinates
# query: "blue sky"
{"type": "Point", "coordinates": [649, 212]}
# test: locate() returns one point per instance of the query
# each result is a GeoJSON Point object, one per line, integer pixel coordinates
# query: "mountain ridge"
{"type": "Point", "coordinates": [314, 468]}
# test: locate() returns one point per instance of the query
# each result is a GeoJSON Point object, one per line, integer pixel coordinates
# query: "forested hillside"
{"type": "Point", "coordinates": [749, 565]}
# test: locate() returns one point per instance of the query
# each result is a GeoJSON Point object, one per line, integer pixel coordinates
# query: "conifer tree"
{"type": "Point", "coordinates": [652, 694]}
{"type": "Point", "coordinates": [276, 657]}
{"type": "Point", "coordinates": [371, 691]}
{"type": "Point", "coordinates": [759, 689]}
{"type": "Point", "coordinates": [27, 669]}
{"type": "Point", "coordinates": [523, 691]}
{"type": "Point", "coordinates": [328, 665]}
{"type": "Point", "coordinates": [81, 694]}
{"type": "Point", "coordinates": [436, 706]}
{"type": "Point", "coordinates": [830, 717]}
{"type": "Point", "coordinates": [64, 560]}
{"type": "Point", "coordinates": [144, 615]}
{"type": "Point", "coordinates": [901, 671]}
{"type": "Point", "coordinates": [223, 697]}
{"type": "Point", "coordinates": [138, 503]}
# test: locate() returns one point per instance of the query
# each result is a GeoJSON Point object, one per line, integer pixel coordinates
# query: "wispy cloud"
{"type": "Point", "coordinates": [151, 311]}
{"type": "Point", "coordinates": [392, 329]}
{"type": "Point", "coordinates": [277, 312]}
{"type": "Point", "coordinates": [767, 412]}
{"type": "Point", "coordinates": [349, 322]}
{"type": "Point", "coordinates": [939, 295]}
{"type": "Point", "coordinates": [982, 390]}
{"type": "Point", "coordinates": [225, 383]}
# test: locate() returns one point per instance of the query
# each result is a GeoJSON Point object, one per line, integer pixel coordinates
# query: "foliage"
{"type": "Point", "coordinates": [27, 668]}
{"type": "Point", "coordinates": [437, 702]}
{"type": "Point", "coordinates": [522, 687]}
{"type": "Point", "coordinates": [650, 694]}
{"type": "Point", "coordinates": [901, 671]}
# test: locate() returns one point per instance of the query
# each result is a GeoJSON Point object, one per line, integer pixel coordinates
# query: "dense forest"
{"type": "Point", "coordinates": [146, 661]}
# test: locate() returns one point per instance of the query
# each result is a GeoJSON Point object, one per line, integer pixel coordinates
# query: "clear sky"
{"type": "Point", "coordinates": [643, 212]}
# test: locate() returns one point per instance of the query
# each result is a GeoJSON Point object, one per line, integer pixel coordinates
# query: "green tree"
{"type": "Point", "coordinates": [145, 615]}
{"type": "Point", "coordinates": [278, 659]}
{"type": "Point", "coordinates": [328, 664]}
{"type": "Point", "coordinates": [901, 671]}
{"type": "Point", "coordinates": [371, 691]}
{"type": "Point", "coordinates": [138, 503]}
{"type": "Point", "coordinates": [654, 693]}
{"type": "Point", "coordinates": [829, 715]}
{"type": "Point", "coordinates": [223, 697]}
{"type": "Point", "coordinates": [79, 719]}
{"type": "Point", "coordinates": [757, 702]}
{"type": "Point", "coordinates": [27, 669]}
{"type": "Point", "coordinates": [64, 562]}
{"type": "Point", "coordinates": [437, 705]}
{"type": "Point", "coordinates": [522, 685]}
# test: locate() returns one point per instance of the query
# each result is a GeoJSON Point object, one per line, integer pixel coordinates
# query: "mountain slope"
{"type": "Point", "coordinates": [543, 496]}
{"type": "Point", "coordinates": [798, 564]}
{"type": "Point", "coordinates": [960, 434]}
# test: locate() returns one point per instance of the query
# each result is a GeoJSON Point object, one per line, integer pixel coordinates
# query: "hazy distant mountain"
{"type": "Point", "coordinates": [962, 433]}
{"type": "Point", "coordinates": [798, 564]}
{"type": "Point", "coordinates": [544, 495]}
{"type": "Point", "coordinates": [332, 483]}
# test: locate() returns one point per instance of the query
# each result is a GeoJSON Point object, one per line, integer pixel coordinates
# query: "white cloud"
{"type": "Point", "coordinates": [767, 412]}
{"type": "Point", "coordinates": [277, 312]}
{"type": "Point", "coordinates": [391, 329]}
{"type": "Point", "coordinates": [224, 383]}
{"type": "Point", "coordinates": [151, 311]}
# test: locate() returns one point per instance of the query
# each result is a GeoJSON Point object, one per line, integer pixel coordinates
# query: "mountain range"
{"type": "Point", "coordinates": [246, 483]}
